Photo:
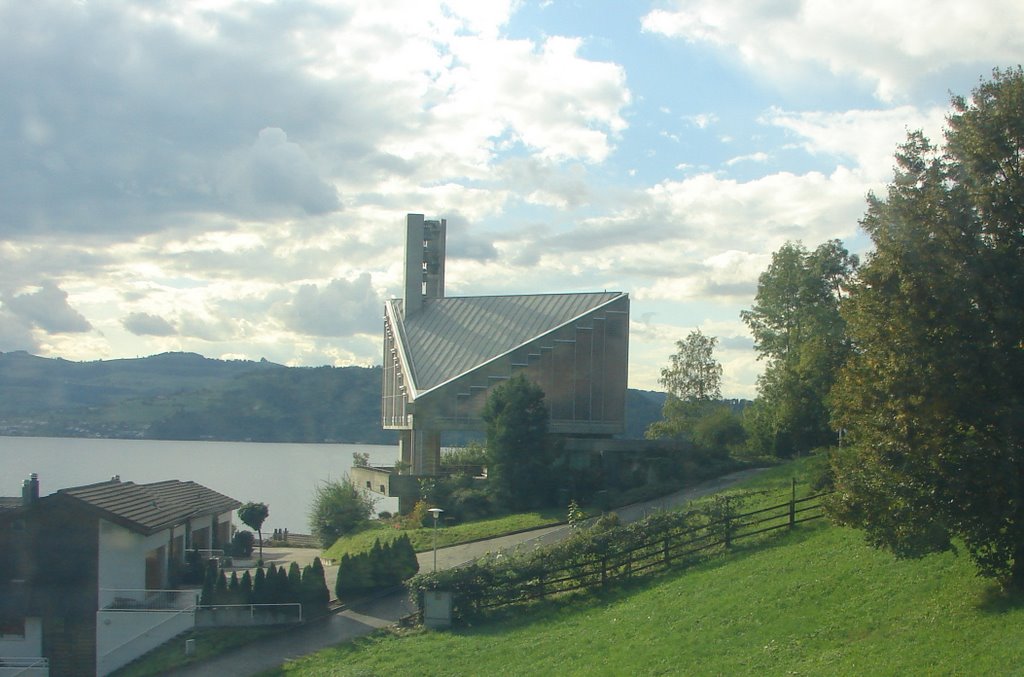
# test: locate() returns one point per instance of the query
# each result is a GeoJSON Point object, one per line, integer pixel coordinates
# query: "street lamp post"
{"type": "Point", "coordinates": [435, 512]}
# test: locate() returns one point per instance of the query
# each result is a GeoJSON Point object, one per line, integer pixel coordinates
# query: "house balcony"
{"type": "Point", "coordinates": [112, 599]}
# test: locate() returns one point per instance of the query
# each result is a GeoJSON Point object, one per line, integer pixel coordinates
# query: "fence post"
{"type": "Point", "coordinates": [792, 506]}
{"type": "Point", "coordinates": [604, 569]}
{"type": "Point", "coordinates": [668, 559]}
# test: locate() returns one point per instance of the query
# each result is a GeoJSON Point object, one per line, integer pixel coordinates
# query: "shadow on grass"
{"type": "Point", "coordinates": [498, 621]}
{"type": "Point", "coordinates": [997, 600]}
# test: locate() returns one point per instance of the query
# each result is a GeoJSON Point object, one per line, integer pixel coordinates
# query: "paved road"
{"type": "Point", "coordinates": [364, 618]}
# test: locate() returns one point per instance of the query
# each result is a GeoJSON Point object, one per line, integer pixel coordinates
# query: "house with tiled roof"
{"type": "Point", "coordinates": [74, 562]}
{"type": "Point", "coordinates": [443, 355]}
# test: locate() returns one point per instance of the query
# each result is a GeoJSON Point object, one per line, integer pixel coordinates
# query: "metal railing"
{"type": "Point", "coordinates": [143, 599]}
{"type": "Point", "coordinates": [234, 614]}
{"type": "Point", "coordinates": [24, 666]}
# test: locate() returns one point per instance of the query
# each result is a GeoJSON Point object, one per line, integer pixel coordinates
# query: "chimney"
{"type": "Point", "coordinates": [30, 490]}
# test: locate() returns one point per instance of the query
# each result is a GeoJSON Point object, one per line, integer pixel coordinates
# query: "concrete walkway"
{"type": "Point", "coordinates": [364, 618]}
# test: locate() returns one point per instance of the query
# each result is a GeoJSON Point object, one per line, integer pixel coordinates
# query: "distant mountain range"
{"type": "Point", "coordinates": [185, 396]}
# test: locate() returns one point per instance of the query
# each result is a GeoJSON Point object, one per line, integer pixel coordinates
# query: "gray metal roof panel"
{"type": "Point", "coordinates": [451, 336]}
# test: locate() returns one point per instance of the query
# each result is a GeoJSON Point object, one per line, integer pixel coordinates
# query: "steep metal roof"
{"type": "Point", "coordinates": [148, 508]}
{"type": "Point", "coordinates": [451, 336]}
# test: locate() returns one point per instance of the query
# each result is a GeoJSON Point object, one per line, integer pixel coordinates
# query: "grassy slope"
{"type": "Point", "coordinates": [423, 539]}
{"type": "Point", "coordinates": [814, 602]}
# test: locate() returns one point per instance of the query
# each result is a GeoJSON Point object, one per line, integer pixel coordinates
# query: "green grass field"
{"type": "Point", "coordinates": [816, 601]}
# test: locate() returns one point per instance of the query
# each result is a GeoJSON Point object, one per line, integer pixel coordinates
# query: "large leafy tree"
{"type": "Point", "coordinates": [518, 449]}
{"type": "Point", "coordinates": [932, 395]}
{"type": "Point", "coordinates": [799, 331]}
{"type": "Point", "coordinates": [693, 384]}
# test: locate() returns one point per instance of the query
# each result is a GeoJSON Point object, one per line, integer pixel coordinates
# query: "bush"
{"type": "Point", "coordinates": [339, 508]}
{"type": "Point", "coordinates": [242, 544]}
{"type": "Point", "coordinates": [470, 504]}
{"type": "Point", "coordinates": [418, 517]}
{"type": "Point", "coordinates": [472, 455]}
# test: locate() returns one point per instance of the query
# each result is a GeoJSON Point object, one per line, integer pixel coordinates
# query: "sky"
{"type": "Point", "coordinates": [232, 178]}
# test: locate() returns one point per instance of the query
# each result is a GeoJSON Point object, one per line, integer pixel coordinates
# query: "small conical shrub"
{"type": "Point", "coordinates": [245, 589]}
{"type": "Point", "coordinates": [294, 582]}
{"type": "Point", "coordinates": [259, 587]}
{"type": "Point", "coordinates": [206, 597]}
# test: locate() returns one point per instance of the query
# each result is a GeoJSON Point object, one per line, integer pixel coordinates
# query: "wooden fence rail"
{"type": "Point", "coordinates": [614, 557]}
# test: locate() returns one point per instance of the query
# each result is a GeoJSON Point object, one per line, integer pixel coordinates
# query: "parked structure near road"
{"type": "Point", "coordinates": [86, 572]}
{"type": "Point", "coordinates": [442, 356]}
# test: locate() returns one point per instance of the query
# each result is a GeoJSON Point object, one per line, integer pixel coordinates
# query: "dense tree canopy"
{"type": "Point", "coordinates": [932, 395]}
{"type": "Point", "coordinates": [798, 329]}
{"type": "Point", "coordinates": [518, 449]}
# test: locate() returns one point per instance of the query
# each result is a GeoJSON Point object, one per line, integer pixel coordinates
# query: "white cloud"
{"type": "Point", "coordinates": [701, 120]}
{"type": "Point", "coordinates": [274, 174]}
{"type": "Point", "coordinates": [340, 308]}
{"type": "Point", "coordinates": [46, 306]}
{"type": "Point", "coordinates": [868, 138]}
{"type": "Point", "coordinates": [144, 324]}
{"type": "Point", "coordinates": [498, 94]}
{"type": "Point", "coordinates": [751, 157]}
{"type": "Point", "coordinates": [888, 44]}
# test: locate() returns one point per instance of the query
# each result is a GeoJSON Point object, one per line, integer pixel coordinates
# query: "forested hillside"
{"type": "Point", "coordinates": [187, 396]}
{"type": "Point", "coordinates": [184, 396]}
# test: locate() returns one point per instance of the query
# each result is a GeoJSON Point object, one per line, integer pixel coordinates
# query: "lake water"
{"type": "Point", "coordinates": [284, 476]}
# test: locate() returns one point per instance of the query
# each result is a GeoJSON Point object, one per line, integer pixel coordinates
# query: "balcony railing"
{"type": "Point", "coordinates": [120, 599]}
{"type": "Point", "coordinates": [28, 666]}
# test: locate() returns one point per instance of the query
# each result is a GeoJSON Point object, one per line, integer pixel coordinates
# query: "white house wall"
{"type": "Point", "coordinates": [122, 556]}
{"type": "Point", "coordinates": [123, 636]}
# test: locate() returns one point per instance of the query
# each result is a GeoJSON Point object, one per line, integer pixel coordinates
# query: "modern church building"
{"type": "Point", "coordinates": [442, 355]}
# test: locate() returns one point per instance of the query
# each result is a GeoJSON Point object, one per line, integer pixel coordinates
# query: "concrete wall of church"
{"type": "Point", "coordinates": [394, 400]}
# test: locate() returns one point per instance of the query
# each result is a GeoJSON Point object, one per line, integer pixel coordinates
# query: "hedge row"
{"type": "Point", "coordinates": [383, 566]}
{"type": "Point", "coordinates": [589, 557]}
{"type": "Point", "coordinates": [271, 586]}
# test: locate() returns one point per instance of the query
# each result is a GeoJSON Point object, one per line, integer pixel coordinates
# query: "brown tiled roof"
{"type": "Point", "coordinates": [148, 508]}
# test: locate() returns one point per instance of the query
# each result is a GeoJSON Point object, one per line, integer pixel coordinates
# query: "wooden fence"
{"type": "Point", "coordinates": [660, 542]}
